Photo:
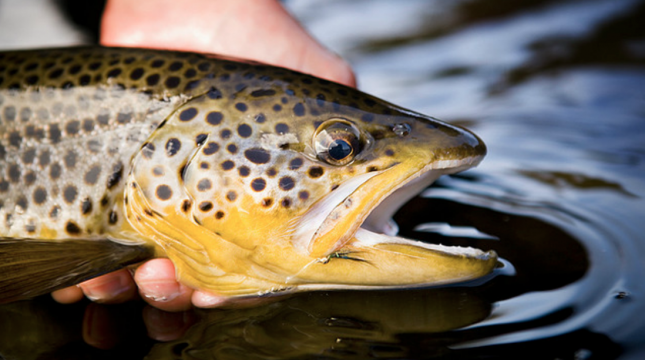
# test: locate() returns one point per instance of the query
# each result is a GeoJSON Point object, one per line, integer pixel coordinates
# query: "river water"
{"type": "Point", "coordinates": [557, 91]}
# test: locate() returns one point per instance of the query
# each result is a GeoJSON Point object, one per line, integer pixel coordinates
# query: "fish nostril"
{"type": "Point", "coordinates": [402, 129]}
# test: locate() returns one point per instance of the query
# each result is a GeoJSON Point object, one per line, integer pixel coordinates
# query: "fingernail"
{"type": "Point", "coordinates": [106, 288]}
{"type": "Point", "coordinates": [160, 291]}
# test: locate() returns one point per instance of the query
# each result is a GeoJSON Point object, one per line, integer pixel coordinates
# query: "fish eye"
{"type": "Point", "coordinates": [337, 142]}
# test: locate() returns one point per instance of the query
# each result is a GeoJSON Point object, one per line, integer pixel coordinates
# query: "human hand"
{"type": "Point", "coordinates": [260, 30]}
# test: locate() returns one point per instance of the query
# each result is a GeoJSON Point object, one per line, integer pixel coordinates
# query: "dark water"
{"type": "Point", "coordinates": [557, 91]}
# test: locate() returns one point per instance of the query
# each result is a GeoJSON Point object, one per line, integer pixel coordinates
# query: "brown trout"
{"type": "Point", "coordinates": [252, 179]}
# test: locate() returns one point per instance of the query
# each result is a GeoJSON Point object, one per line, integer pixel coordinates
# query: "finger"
{"type": "Point", "coordinates": [113, 288]}
{"type": "Point", "coordinates": [159, 287]}
{"type": "Point", "coordinates": [68, 295]}
{"type": "Point", "coordinates": [167, 326]}
{"type": "Point", "coordinates": [257, 30]}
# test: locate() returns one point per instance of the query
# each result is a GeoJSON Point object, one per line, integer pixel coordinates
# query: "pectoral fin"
{"type": "Point", "coordinates": [30, 267]}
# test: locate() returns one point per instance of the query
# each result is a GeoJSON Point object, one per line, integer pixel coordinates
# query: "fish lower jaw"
{"type": "Point", "coordinates": [365, 238]}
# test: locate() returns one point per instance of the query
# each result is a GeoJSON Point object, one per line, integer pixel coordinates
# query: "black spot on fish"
{"type": "Point", "coordinates": [295, 164]}
{"type": "Point", "coordinates": [244, 171]}
{"type": "Point", "coordinates": [281, 128]}
{"type": "Point", "coordinates": [389, 152]}
{"type": "Point", "coordinates": [272, 172]}
{"type": "Point", "coordinates": [190, 73]}
{"type": "Point", "coordinates": [88, 125]}
{"type": "Point", "coordinates": [92, 176]}
{"type": "Point", "coordinates": [214, 117]}
{"type": "Point", "coordinates": [86, 206]}
{"type": "Point", "coordinates": [204, 184]}
{"type": "Point", "coordinates": [287, 183]}
{"type": "Point", "coordinates": [260, 118]}
{"type": "Point", "coordinates": [172, 82]}
{"type": "Point", "coordinates": [185, 205]}
{"type": "Point", "coordinates": [14, 173]}
{"type": "Point", "coordinates": [203, 66]}
{"type": "Point", "coordinates": [115, 177]}
{"type": "Point", "coordinates": [114, 73]}
{"type": "Point", "coordinates": [69, 193]}
{"type": "Point", "coordinates": [228, 165]}
{"type": "Point", "coordinates": [22, 202]}
{"type": "Point", "coordinates": [214, 93]}
{"type": "Point", "coordinates": [172, 146]}
{"type": "Point", "coordinates": [200, 139]}
{"type": "Point", "coordinates": [29, 155]}
{"type": "Point", "coordinates": [315, 172]}
{"type": "Point", "coordinates": [191, 85]}
{"type": "Point", "coordinates": [124, 117]}
{"type": "Point", "coordinates": [257, 155]}
{"type": "Point", "coordinates": [210, 148]}
{"type": "Point", "coordinates": [258, 184]}
{"type": "Point", "coordinates": [157, 63]}
{"type": "Point", "coordinates": [241, 106]}
{"type": "Point", "coordinates": [277, 107]}
{"type": "Point", "coordinates": [176, 65]}
{"type": "Point", "coordinates": [231, 196]}
{"type": "Point", "coordinates": [53, 213]}
{"type": "Point", "coordinates": [232, 148]}
{"type": "Point", "coordinates": [15, 139]}
{"type": "Point", "coordinates": [55, 74]}
{"type": "Point", "coordinates": [94, 66]}
{"type": "Point", "coordinates": [303, 195]}
{"type": "Point", "coordinates": [136, 74]}
{"type": "Point", "coordinates": [286, 203]}
{"type": "Point", "coordinates": [163, 192]}
{"type": "Point", "coordinates": [188, 114]}
{"type": "Point", "coordinates": [104, 201]}
{"type": "Point", "coordinates": [244, 130]}
{"type": "Point", "coordinates": [113, 217]}
{"type": "Point", "coordinates": [205, 206]}
{"type": "Point", "coordinates": [225, 134]}
{"type": "Point", "coordinates": [220, 214]}
{"type": "Point", "coordinates": [55, 171]}
{"type": "Point", "coordinates": [266, 202]}
{"type": "Point", "coordinates": [70, 159]}
{"type": "Point", "coordinates": [30, 178]}
{"type": "Point", "coordinates": [299, 109]}
{"type": "Point", "coordinates": [72, 229]}
{"type": "Point", "coordinates": [84, 80]}
{"type": "Point", "coordinates": [40, 195]}
{"type": "Point", "coordinates": [263, 92]}
{"type": "Point", "coordinates": [152, 80]}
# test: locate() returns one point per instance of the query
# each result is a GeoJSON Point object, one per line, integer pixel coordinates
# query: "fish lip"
{"type": "Point", "coordinates": [304, 236]}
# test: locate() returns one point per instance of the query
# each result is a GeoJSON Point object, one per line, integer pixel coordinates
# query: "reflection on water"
{"type": "Point", "coordinates": [555, 88]}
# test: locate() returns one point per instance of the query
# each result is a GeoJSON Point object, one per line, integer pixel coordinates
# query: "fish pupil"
{"type": "Point", "coordinates": [339, 149]}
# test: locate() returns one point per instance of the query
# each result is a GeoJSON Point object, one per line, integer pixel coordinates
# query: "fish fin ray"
{"type": "Point", "coordinates": [32, 267]}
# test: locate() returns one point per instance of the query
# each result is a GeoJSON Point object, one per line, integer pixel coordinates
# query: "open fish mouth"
{"type": "Point", "coordinates": [369, 254]}
{"type": "Point", "coordinates": [331, 228]}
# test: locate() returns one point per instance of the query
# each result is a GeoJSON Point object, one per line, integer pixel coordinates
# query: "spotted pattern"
{"type": "Point", "coordinates": [234, 135]}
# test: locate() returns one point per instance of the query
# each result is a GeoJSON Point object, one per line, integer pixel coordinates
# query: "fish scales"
{"type": "Point", "coordinates": [170, 148]}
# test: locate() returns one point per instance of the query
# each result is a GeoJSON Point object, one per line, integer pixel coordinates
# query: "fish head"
{"type": "Point", "coordinates": [301, 177]}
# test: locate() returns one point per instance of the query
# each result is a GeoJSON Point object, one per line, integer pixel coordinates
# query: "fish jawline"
{"type": "Point", "coordinates": [378, 218]}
